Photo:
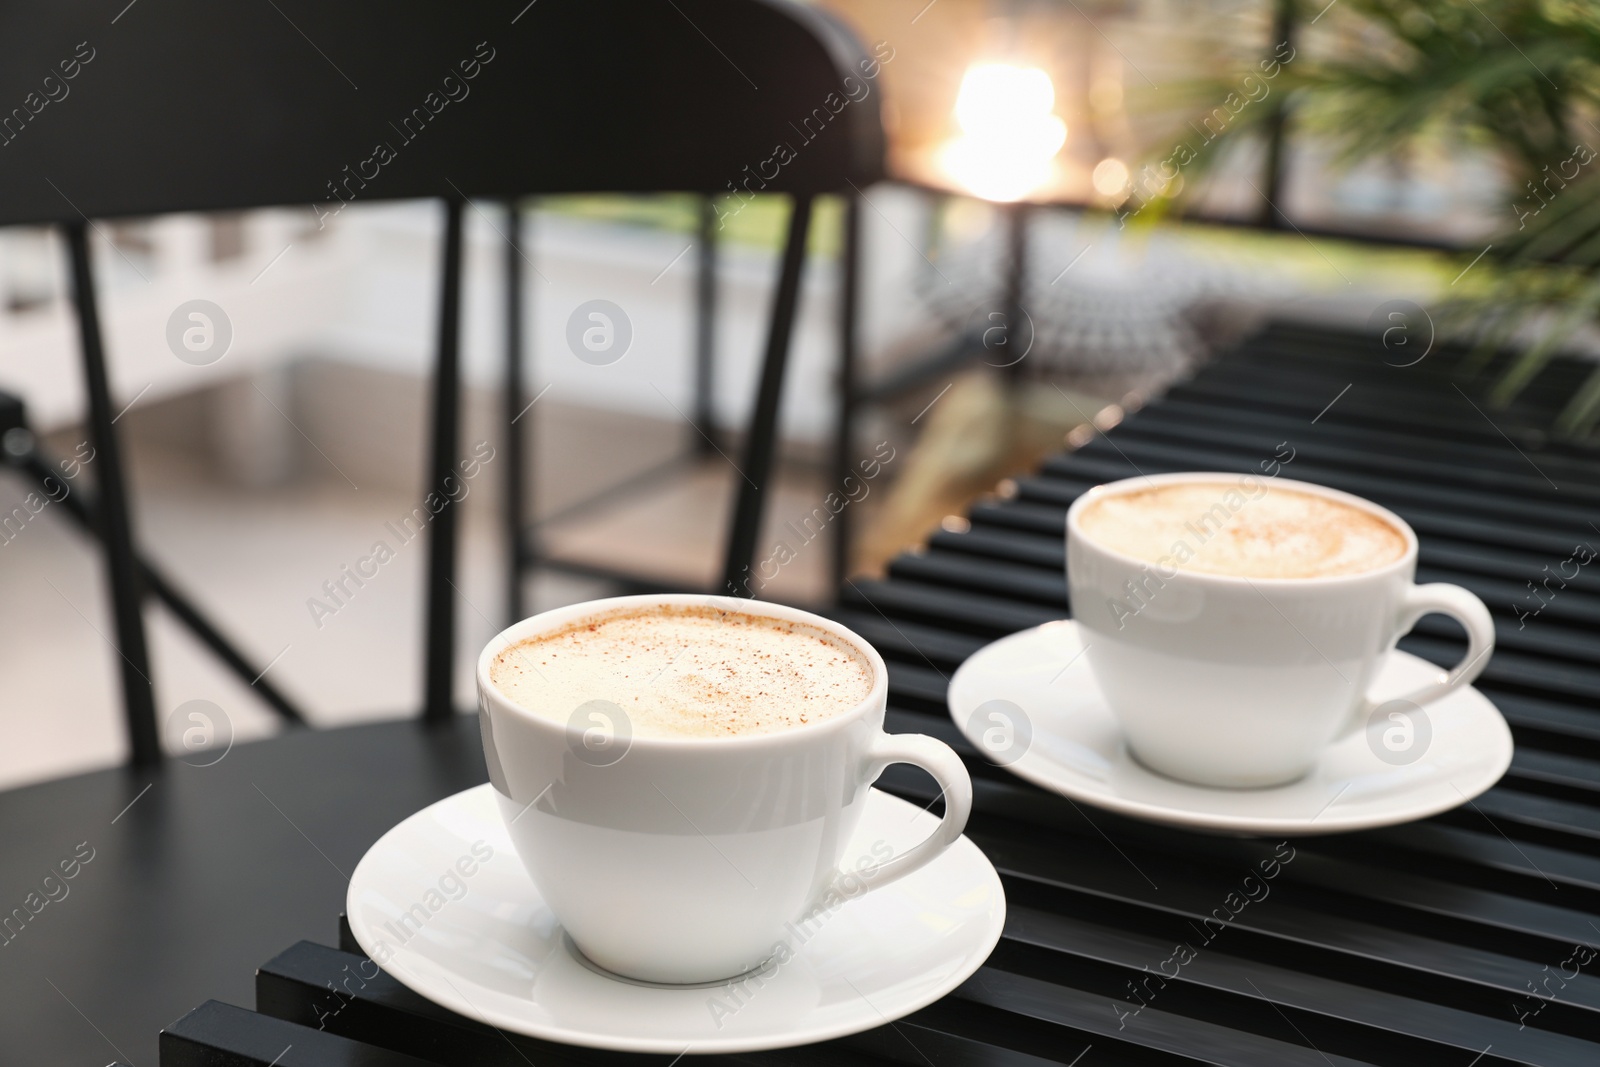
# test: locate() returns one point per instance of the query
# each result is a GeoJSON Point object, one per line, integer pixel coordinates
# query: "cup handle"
{"type": "Point", "coordinates": [939, 760]}
{"type": "Point", "coordinates": [1465, 608]}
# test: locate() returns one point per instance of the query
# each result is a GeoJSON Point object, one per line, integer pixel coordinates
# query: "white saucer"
{"type": "Point", "coordinates": [497, 955]}
{"type": "Point", "coordinates": [1076, 749]}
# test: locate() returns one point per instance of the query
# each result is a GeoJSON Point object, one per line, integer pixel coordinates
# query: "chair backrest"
{"type": "Point", "coordinates": [180, 105]}
{"type": "Point", "coordinates": [184, 105]}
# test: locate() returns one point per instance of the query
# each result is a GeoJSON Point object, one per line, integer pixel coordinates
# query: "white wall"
{"type": "Point", "coordinates": [365, 291]}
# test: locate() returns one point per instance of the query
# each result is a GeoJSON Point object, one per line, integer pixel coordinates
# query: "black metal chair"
{"type": "Point", "coordinates": [185, 106]}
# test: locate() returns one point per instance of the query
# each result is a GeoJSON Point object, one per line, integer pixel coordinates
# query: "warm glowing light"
{"type": "Point", "coordinates": [1009, 136]}
{"type": "Point", "coordinates": [1110, 177]}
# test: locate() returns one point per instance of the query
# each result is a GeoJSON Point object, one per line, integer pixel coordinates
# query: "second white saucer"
{"type": "Point", "coordinates": [1068, 741]}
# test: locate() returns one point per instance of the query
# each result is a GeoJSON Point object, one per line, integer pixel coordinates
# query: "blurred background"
{"type": "Point", "coordinates": [1151, 153]}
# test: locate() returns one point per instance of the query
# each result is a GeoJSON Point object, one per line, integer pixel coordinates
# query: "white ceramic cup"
{"type": "Point", "coordinates": [682, 859]}
{"type": "Point", "coordinates": [1231, 681]}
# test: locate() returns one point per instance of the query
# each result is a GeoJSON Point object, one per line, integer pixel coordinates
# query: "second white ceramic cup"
{"type": "Point", "coordinates": [1232, 681]}
{"type": "Point", "coordinates": [682, 859]}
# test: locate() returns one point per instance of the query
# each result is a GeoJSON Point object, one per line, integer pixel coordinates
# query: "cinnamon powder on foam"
{"type": "Point", "coordinates": [687, 671]}
{"type": "Point", "coordinates": [1223, 528]}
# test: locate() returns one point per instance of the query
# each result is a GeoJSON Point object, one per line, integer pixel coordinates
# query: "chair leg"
{"type": "Point", "coordinates": [1018, 216]}
{"type": "Point", "coordinates": [116, 525]}
{"type": "Point", "coordinates": [438, 705]}
{"type": "Point", "coordinates": [844, 428]}
{"type": "Point", "coordinates": [705, 336]}
{"type": "Point", "coordinates": [517, 417]}
{"type": "Point", "coordinates": [761, 440]}
{"type": "Point", "coordinates": [85, 511]}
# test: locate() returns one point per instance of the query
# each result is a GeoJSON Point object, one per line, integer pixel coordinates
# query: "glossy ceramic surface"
{"type": "Point", "coordinates": [1075, 746]}
{"type": "Point", "coordinates": [681, 859]}
{"type": "Point", "coordinates": [1231, 681]}
{"type": "Point", "coordinates": [487, 946]}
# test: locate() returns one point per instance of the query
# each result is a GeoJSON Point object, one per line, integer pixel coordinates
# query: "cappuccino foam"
{"type": "Point", "coordinates": [687, 671]}
{"type": "Point", "coordinates": [1243, 529]}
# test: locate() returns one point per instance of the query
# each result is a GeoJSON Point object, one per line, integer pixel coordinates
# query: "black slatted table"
{"type": "Point", "coordinates": [1472, 937]}
{"type": "Point", "coordinates": [1461, 940]}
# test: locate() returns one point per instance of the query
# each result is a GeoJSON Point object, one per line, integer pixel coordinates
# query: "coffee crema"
{"type": "Point", "coordinates": [687, 671]}
{"type": "Point", "coordinates": [1248, 530]}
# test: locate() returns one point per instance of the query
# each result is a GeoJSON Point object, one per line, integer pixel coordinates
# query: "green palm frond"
{"type": "Point", "coordinates": [1546, 279]}
{"type": "Point", "coordinates": [1518, 77]}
